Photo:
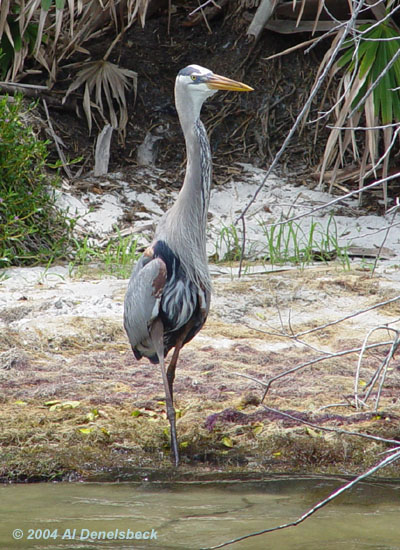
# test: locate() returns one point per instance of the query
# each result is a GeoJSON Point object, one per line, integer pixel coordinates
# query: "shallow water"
{"type": "Point", "coordinates": [196, 515]}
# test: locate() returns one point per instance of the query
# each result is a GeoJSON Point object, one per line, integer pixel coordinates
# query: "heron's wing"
{"type": "Point", "coordinates": [142, 300]}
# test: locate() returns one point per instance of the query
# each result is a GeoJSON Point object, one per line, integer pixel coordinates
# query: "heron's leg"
{"type": "Point", "coordinates": [178, 346]}
{"type": "Point", "coordinates": [157, 336]}
{"type": "Point", "coordinates": [172, 367]}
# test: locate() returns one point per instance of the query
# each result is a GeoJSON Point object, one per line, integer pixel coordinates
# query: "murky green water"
{"type": "Point", "coordinates": [195, 515]}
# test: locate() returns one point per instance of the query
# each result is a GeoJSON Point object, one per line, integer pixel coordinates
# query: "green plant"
{"type": "Point", "coordinates": [32, 230]}
{"type": "Point", "coordinates": [228, 245]}
{"type": "Point", "coordinates": [291, 243]}
{"type": "Point", "coordinates": [120, 254]}
{"type": "Point", "coordinates": [116, 258]}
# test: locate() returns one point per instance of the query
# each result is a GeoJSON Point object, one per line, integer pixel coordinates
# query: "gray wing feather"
{"type": "Point", "coordinates": [143, 297]}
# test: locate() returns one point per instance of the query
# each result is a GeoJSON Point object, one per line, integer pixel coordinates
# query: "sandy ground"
{"type": "Point", "coordinates": [75, 402]}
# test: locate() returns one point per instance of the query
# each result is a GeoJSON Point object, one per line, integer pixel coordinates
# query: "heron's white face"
{"type": "Point", "coordinates": [194, 80]}
{"type": "Point", "coordinates": [194, 84]}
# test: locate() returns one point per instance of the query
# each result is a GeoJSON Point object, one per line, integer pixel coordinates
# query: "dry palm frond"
{"type": "Point", "coordinates": [108, 80]}
{"type": "Point", "coordinates": [370, 86]}
{"type": "Point", "coordinates": [368, 91]}
{"type": "Point", "coordinates": [52, 30]}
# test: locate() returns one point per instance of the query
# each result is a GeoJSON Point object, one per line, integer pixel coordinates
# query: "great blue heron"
{"type": "Point", "coordinates": [169, 291]}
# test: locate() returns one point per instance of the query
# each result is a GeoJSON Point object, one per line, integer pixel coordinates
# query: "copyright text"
{"type": "Point", "coordinates": [83, 534]}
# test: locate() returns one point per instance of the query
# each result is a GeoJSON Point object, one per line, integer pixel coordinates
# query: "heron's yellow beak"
{"type": "Point", "coordinates": [217, 82]}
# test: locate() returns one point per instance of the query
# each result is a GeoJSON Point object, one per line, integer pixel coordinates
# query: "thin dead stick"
{"type": "Point", "coordinates": [394, 345]}
{"type": "Point", "coordinates": [347, 87]}
{"type": "Point", "coordinates": [306, 106]}
{"type": "Point", "coordinates": [395, 207]}
{"type": "Point", "coordinates": [383, 242]}
{"type": "Point", "coordinates": [203, 6]}
{"type": "Point", "coordinates": [242, 249]}
{"type": "Point", "coordinates": [391, 225]}
{"type": "Point", "coordinates": [350, 316]}
{"type": "Point", "coordinates": [388, 16]}
{"type": "Point", "coordinates": [205, 20]}
{"type": "Point", "coordinates": [293, 129]}
{"type": "Point", "coordinates": [56, 140]}
{"type": "Point", "coordinates": [382, 464]}
{"type": "Point", "coordinates": [334, 430]}
{"type": "Point", "coordinates": [296, 335]}
{"type": "Point", "coordinates": [382, 369]}
{"type": "Point", "coordinates": [332, 202]}
{"type": "Point", "coordinates": [388, 358]}
{"type": "Point", "coordinates": [311, 43]}
{"type": "Point", "coordinates": [383, 157]}
{"type": "Point", "coordinates": [388, 149]}
{"type": "Point", "coordinates": [34, 87]}
{"type": "Point", "coordinates": [363, 128]}
{"type": "Point", "coordinates": [317, 360]}
{"type": "Point", "coordinates": [268, 384]}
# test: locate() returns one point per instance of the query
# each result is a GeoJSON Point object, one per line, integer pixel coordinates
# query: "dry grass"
{"type": "Point", "coordinates": [75, 402]}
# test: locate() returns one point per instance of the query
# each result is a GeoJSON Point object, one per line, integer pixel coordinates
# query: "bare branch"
{"type": "Point", "coordinates": [271, 380]}
{"type": "Point", "coordinates": [57, 140]}
{"type": "Point", "coordinates": [295, 335]}
{"type": "Point", "coordinates": [333, 430]}
{"type": "Point", "coordinates": [382, 464]}
{"type": "Point", "coordinates": [318, 360]}
{"type": "Point", "coordinates": [392, 224]}
{"type": "Point", "coordinates": [306, 106]}
{"type": "Point", "coordinates": [199, 8]}
{"type": "Point", "coordinates": [329, 203]}
{"type": "Point", "coordinates": [382, 369]}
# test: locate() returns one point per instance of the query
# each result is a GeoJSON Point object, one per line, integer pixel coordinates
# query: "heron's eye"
{"type": "Point", "coordinates": [193, 77]}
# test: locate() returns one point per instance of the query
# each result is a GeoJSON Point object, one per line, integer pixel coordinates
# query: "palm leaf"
{"type": "Point", "coordinates": [108, 81]}
{"type": "Point", "coordinates": [65, 25]}
{"type": "Point", "coordinates": [369, 63]}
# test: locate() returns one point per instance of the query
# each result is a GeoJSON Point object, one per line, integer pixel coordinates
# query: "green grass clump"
{"type": "Point", "coordinates": [284, 243]}
{"type": "Point", "coordinates": [32, 230]}
{"type": "Point", "coordinates": [115, 258]}
{"type": "Point", "coordinates": [289, 243]}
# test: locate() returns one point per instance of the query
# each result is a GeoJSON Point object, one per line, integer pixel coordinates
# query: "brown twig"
{"type": "Point", "coordinates": [56, 141]}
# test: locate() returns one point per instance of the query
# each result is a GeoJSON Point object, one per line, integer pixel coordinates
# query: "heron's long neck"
{"type": "Point", "coordinates": [194, 197]}
{"type": "Point", "coordinates": [184, 226]}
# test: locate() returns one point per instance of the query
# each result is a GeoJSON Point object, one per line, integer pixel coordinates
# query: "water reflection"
{"type": "Point", "coordinates": [193, 515]}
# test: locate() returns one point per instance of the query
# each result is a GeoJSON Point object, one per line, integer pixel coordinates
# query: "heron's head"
{"type": "Point", "coordinates": [194, 84]}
